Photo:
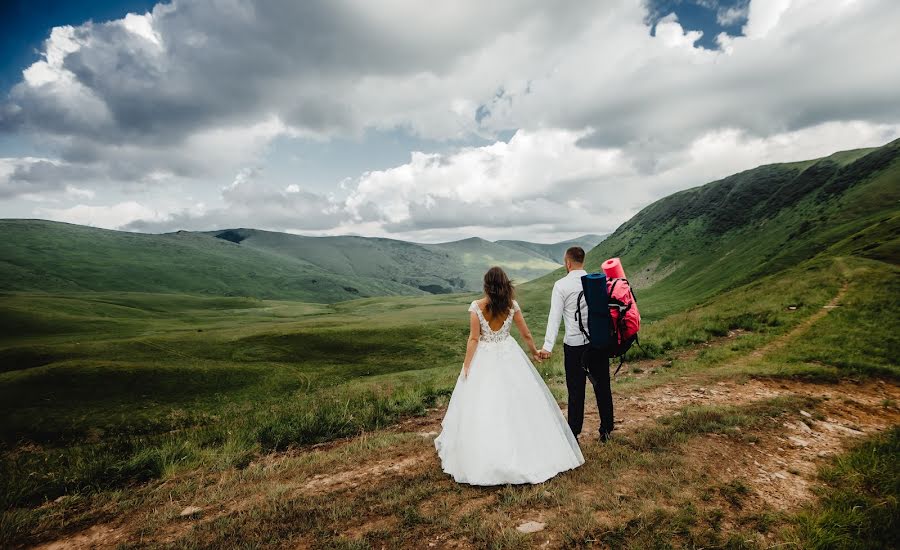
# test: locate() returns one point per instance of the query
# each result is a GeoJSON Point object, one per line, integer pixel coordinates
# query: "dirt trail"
{"type": "Point", "coordinates": [800, 329]}
{"type": "Point", "coordinates": [780, 468]}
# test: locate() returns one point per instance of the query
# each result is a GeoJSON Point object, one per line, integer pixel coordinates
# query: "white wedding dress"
{"type": "Point", "coordinates": [503, 424]}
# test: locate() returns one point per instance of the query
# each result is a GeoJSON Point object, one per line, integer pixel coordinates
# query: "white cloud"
{"type": "Point", "coordinates": [802, 65]}
{"type": "Point", "coordinates": [522, 182]}
{"type": "Point", "coordinates": [672, 35]}
{"type": "Point", "coordinates": [61, 43]}
{"type": "Point", "coordinates": [732, 14]}
{"type": "Point", "coordinates": [78, 192]}
{"type": "Point", "coordinates": [250, 202]}
{"type": "Point", "coordinates": [763, 16]}
{"type": "Point", "coordinates": [112, 216]}
{"type": "Point", "coordinates": [142, 25]}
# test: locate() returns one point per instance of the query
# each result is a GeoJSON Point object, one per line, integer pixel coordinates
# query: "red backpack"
{"type": "Point", "coordinates": [624, 318]}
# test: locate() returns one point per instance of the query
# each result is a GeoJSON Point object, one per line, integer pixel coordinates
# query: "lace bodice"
{"type": "Point", "coordinates": [489, 335]}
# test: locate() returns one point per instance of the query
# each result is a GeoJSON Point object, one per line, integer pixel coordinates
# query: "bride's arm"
{"type": "Point", "coordinates": [474, 334]}
{"type": "Point", "coordinates": [519, 320]}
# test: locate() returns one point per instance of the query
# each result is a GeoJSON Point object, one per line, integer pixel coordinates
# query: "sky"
{"type": "Point", "coordinates": [423, 121]}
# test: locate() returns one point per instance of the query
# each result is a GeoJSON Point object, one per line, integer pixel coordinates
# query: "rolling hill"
{"type": "Point", "coordinates": [555, 252]}
{"type": "Point", "coordinates": [697, 243]}
{"type": "Point", "coordinates": [435, 268]}
{"type": "Point", "coordinates": [38, 255]}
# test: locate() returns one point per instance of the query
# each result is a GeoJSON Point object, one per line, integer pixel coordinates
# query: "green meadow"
{"type": "Point", "coordinates": [107, 390]}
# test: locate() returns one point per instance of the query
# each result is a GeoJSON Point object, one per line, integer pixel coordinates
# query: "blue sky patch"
{"type": "Point", "coordinates": [709, 16]}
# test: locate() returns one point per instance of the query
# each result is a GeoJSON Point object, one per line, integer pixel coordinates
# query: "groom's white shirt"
{"type": "Point", "coordinates": [563, 303]}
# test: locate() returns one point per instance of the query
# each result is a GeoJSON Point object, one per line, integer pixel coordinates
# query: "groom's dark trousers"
{"type": "Point", "coordinates": [598, 364]}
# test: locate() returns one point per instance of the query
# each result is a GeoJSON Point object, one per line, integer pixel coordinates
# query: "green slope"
{"type": "Point", "coordinates": [475, 256]}
{"type": "Point", "coordinates": [406, 263]}
{"type": "Point", "coordinates": [44, 256]}
{"type": "Point", "coordinates": [555, 251]}
{"type": "Point", "coordinates": [434, 268]}
{"type": "Point", "coordinates": [692, 245]}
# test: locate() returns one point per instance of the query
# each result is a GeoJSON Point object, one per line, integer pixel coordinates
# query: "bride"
{"type": "Point", "coordinates": [503, 424]}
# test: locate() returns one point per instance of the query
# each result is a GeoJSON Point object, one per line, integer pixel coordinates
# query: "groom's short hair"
{"type": "Point", "coordinates": [576, 254]}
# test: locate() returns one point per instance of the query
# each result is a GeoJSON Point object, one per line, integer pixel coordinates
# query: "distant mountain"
{"type": "Point", "coordinates": [555, 252]}
{"type": "Point", "coordinates": [435, 268]}
{"type": "Point", "coordinates": [407, 264]}
{"type": "Point", "coordinates": [38, 255]}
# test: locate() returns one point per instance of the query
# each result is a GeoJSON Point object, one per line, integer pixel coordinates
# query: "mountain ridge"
{"type": "Point", "coordinates": [695, 243]}
{"type": "Point", "coordinates": [47, 256]}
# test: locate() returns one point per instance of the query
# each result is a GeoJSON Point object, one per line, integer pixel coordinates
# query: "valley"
{"type": "Point", "coordinates": [38, 255]}
{"type": "Point", "coordinates": [160, 375]}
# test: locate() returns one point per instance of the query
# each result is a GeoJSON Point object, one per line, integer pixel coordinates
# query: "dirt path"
{"type": "Point", "coordinates": [800, 329]}
{"type": "Point", "coordinates": [778, 469]}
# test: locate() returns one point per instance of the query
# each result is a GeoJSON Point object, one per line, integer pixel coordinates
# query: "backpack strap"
{"type": "Point", "coordinates": [621, 362]}
{"type": "Point", "coordinates": [613, 287]}
{"type": "Point", "coordinates": [578, 316]}
{"type": "Point", "coordinates": [637, 341]}
{"type": "Point", "coordinates": [630, 288]}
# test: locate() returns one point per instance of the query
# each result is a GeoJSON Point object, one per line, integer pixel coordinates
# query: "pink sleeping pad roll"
{"type": "Point", "coordinates": [613, 268]}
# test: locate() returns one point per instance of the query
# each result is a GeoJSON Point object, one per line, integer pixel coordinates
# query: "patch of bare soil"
{"type": "Point", "coordinates": [370, 473]}
{"type": "Point", "coordinates": [781, 466]}
{"type": "Point", "coordinates": [651, 274]}
{"type": "Point", "coordinates": [96, 536]}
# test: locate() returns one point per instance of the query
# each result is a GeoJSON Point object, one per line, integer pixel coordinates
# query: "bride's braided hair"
{"type": "Point", "coordinates": [499, 291]}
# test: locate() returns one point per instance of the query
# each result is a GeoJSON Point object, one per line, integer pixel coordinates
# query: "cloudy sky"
{"type": "Point", "coordinates": [427, 121]}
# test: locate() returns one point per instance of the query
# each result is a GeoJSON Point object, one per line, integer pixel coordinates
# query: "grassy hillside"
{"type": "Point", "coordinates": [44, 256]}
{"type": "Point", "coordinates": [555, 251]}
{"type": "Point", "coordinates": [435, 268]}
{"type": "Point", "coordinates": [475, 256]}
{"type": "Point", "coordinates": [402, 262]}
{"type": "Point", "coordinates": [690, 246]}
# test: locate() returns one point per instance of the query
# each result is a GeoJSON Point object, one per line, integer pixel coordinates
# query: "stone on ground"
{"type": "Point", "coordinates": [190, 511]}
{"type": "Point", "coordinates": [531, 527]}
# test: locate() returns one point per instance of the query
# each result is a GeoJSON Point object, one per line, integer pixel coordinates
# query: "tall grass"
{"type": "Point", "coordinates": [29, 475]}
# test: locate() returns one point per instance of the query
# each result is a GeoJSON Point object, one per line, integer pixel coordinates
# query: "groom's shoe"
{"type": "Point", "coordinates": [605, 437]}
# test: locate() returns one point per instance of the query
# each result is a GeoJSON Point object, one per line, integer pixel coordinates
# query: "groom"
{"type": "Point", "coordinates": [563, 303]}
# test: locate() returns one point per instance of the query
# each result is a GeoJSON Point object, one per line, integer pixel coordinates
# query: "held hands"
{"type": "Point", "coordinates": [540, 355]}
{"type": "Point", "coordinates": [544, 354]}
